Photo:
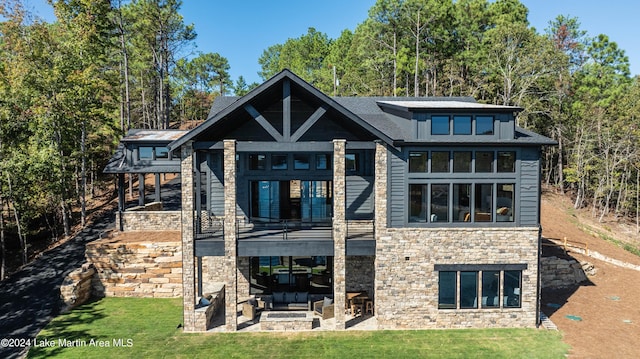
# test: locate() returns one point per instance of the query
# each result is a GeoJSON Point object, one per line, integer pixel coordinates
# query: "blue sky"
{"type": "Point", "coordinates": [241, 30]}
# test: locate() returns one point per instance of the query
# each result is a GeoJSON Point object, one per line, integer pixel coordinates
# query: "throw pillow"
{"type": "Point", "coordinates": [327, 302]}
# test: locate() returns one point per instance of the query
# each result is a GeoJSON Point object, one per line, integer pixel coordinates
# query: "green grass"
{"type": "Point", "coordinates": [150, 325]}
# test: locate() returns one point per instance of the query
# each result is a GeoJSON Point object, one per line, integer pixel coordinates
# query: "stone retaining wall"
{"type": "Point", "coordinates": [147, 220]}
{"type": "Point", "coordinates": [561, 273]}
{"type": "Point", "coordinates": [137, 267]}
{"type": "Point", "coordinates": [76, 286]}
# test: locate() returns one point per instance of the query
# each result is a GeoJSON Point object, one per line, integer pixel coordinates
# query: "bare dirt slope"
{"type": "Point", "coordinates": [600, 319]}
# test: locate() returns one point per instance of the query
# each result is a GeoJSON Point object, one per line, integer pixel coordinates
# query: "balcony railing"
{"type": "Point", "coordinates": [212, 227]}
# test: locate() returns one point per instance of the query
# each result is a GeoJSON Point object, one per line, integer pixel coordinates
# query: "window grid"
{"type": "Point", "coordinates": [495, 289]}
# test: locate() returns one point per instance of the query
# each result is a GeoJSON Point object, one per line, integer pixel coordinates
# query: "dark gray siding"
{"type": "Point", "coordinates": [359, 197]}
{"type": "Point", "coordinates": [396, 191]}
{"type": "Point", "coordinates": [529, 186]}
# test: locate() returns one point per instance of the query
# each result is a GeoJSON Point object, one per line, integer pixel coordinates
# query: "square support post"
{"type": "Point", "coordinates": [339, 232]}
{"type": "Point", "coordinates": [141, 190]}
{"type": "Point", "coordinates": [158, 188]}
{"type": "Point", "coordinates": [230, 237]}
{"type": "Point", "coordinates": [188, 256]}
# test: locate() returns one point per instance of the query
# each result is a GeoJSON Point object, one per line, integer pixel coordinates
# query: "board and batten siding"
{"type": "Point", "coordinates": [397, 191]}
{"type": "Point", "coordinates": [359, 197]}
{"type": "Point", "coordinates": [529, 187]}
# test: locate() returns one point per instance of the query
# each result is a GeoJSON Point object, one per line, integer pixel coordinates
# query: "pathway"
{"type": "Point", "coordinates": [30, 298]}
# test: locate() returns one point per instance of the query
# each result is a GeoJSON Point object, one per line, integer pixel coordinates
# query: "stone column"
{"type": "Point", "coordinates": [380, 215]}
{"type": "Point", "coordinates": [339, 232]}
{"type": "Point", "coordinates": [230, 246]}
{"type": "Point", "coordinates": [188, 257]}
{"type": "Point", "coordinates": [380, 188]}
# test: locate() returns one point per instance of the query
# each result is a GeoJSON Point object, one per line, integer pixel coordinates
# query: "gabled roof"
{"type": "Point", "coordinates": [233, 104]}
{"type": "Point", "coordinates": [386, 118]}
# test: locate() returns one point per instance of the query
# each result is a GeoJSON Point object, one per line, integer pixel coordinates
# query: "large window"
{"type": "Point", "coordinates": [470, 202]}
{"type": "Point", "coordinates": [461, 289]}
{"type": "Point", "coordinates": [307, 201]}
{"type": "Point", "coordinates": [291, 274]}
{"type": "Point", "coordinates": [463, 161]}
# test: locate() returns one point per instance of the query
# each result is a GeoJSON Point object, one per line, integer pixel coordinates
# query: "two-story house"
{"type": "Point", "coordinates": [430, 205]}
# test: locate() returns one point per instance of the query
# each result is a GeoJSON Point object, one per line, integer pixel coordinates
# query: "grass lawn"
{"type": "Point", "coordinates": [146, 328]}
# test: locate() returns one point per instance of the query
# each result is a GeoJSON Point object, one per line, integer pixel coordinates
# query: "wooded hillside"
{"type": "Point", "coordinates": [70, 89]}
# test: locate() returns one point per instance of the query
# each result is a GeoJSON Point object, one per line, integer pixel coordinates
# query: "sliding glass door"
{"type": "Point", "coordinates": [306, 201]}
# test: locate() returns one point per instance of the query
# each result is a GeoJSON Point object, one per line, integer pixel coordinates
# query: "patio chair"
{"type": "Point", "coordinates": [324, 308]}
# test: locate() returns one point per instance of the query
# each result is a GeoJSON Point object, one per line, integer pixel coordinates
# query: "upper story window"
{"type": "Point", "coordinates": [506, 161]}
{"type": "Point", "coordinates": [153, 152]}
{"type": "Point", "coordinates": [323, 161]}
{"type": "Point", "coordinates": [279, 162]}
{"type": "Point", "coordinates": [463, 161]}
{"type": "Point", "coordinates": [351, 162]}
{"type": "Point", "coordinates": [440, 125]}
{"type": "Point", "coordinates": [257, 161]}
{"type": "Point", "coordinates": [418, 161]}
{"type": "Point", "coordinates": [301, 162]}
{"type": "Point", "coordinates": [462, 125]}
{"type": "Point", "coordinates": [440, 162]}
{"type": "Point", "coordinates": [145, 153]}
{"type": "Point", "coordinates": [484, 125]}
{"type": "Point", "coordinates": [484, 161]}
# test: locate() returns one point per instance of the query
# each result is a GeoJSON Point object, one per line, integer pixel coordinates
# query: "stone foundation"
{"type": "Point", "coordinates": [406, 293]}
{"type": "Point", "coordinates": [137, 264]}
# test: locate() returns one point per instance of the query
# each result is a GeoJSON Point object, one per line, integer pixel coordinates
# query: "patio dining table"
{"type": "Point", "coordinates": [356, 301]}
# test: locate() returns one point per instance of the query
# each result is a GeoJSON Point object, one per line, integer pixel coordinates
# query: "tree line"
{"type": "Point", "coordinates": [71, 88]}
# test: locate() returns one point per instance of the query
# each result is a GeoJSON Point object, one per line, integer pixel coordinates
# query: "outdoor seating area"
{"type": "Point", "coordinates": [358, 303]}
